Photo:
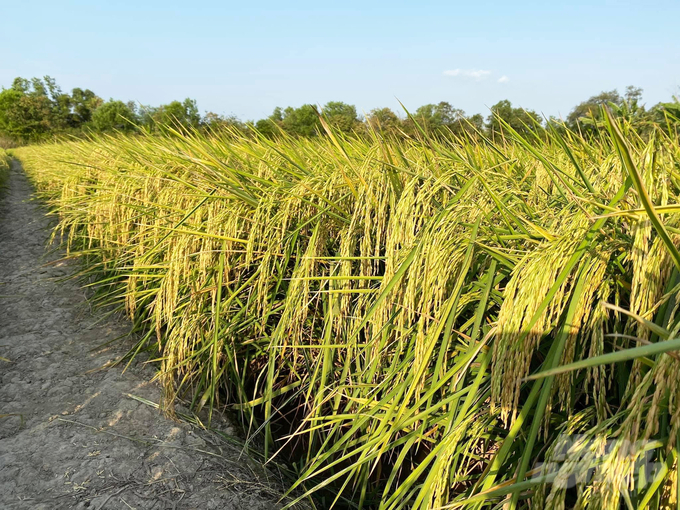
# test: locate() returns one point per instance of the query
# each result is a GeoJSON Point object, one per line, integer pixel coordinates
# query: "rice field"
{"type": "Point", "coordinates": [419, 323]}
{"type": "Point", "coordinates": [4, 161]}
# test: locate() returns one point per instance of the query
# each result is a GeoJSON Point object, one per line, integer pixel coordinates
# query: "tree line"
{"type": "Point", "coordinates": [38, 109]}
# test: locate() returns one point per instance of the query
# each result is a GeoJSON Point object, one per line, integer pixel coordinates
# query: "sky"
{"type": "Point", "coordinates": [245, 58]}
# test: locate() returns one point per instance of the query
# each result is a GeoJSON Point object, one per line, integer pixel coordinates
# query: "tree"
{"type": "Point", "coordinates": [524, 122]}
{"type": "Point", "coordinates": [147, 115]}
{"type": "Point", "coordinates": [475, 123]}
{"type": "Point", "coordinates": [33, 108]}
{"type": "Point", "coordinates": [341, 116]}
{"type": "Point", "coordinates": [434, 117]}
{"type": "Point", "coordinates": [178, 114]}
{"type": "Point", "coordinates": [384, 120]}
{"type": "Point", "coordinates": [270, 126]}
{"type": "Point", "coordinates": [443, 119]}
{"type": "Point", "coordinates": [84, 102]}
{"type": "Point", "coordinates": [24, 116]}
{"type": "Point", "coordinates": [37, 87]}
{"type": "Point", "coordinates": [277, 114]}
{"type": "Point", "coordinates": [587, 116]}
{"type": "Point", "coordinates": [114, 116]}
{"type": "Point", "coordinates": [215, 121]}
{"type": "Point", "coordinates": [266, 127]}
{"type": "Point", "coordinates": [62, 117]}
{"type": "Point", "coordinates": [302, 121]}
{"type": "Point", "coordinates": [445, 115]}
{"type": "Point", "coordinates": [588, 113]}
{"type": "Point", "coordinates": [555, 124]}
{"type": "Point", "coordinates": [633, 94]}
{"type": "Point", "coordinates": [21, 85]}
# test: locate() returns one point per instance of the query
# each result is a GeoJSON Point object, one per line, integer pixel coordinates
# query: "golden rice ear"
{"type": "Point", "coordinates": [5, 161]}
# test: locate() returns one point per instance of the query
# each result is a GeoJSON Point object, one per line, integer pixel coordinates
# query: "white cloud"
{"type": "Point", "coordinates": [477, 74]}
{"type": "Point", "coordinates": [503, 79]}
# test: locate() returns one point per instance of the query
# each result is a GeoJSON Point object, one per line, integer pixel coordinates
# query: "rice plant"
{"type": "Point", "coordinates": [4, 166]}
{"type": "Point", "coordinates": [418, 323]}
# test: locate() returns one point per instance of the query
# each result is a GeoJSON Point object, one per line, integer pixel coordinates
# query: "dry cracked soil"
{"type": "Point", "coordinates": [74, 434]}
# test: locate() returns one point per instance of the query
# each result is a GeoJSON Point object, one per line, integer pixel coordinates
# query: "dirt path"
{"type": "Point", "coordinates": [75, 439]}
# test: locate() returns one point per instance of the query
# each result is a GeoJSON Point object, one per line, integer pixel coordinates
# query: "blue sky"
{"type": "Point", "coordinates": [245, 58]}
